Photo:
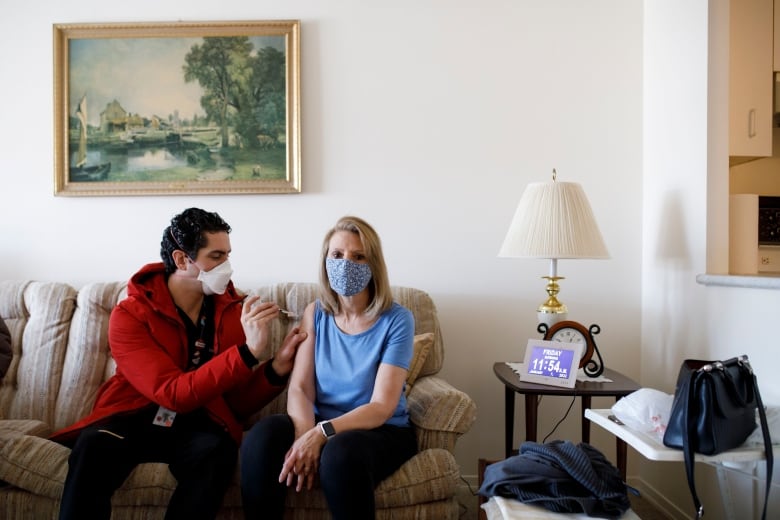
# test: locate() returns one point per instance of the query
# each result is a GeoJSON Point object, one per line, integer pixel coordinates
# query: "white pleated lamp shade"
{"type": "Point", "coordinates": [554, 220]}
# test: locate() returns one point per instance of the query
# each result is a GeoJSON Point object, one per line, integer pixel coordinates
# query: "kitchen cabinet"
{"type": "Point", "coordinates": [751, 79]}
{"type": "Point", "coordinates": [777, 40]}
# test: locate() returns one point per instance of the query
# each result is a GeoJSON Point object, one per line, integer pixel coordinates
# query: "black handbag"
{"type": "Point", "coordinates": [714, 410]}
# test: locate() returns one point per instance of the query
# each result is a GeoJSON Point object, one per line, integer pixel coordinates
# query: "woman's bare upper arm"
{"type": "Point", "coordinates": [303, 370]}
{"type": "Point", "coordinates": [389, 385]}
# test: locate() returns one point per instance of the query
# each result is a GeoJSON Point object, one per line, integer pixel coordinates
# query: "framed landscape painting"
{"type": "Point", "coordinates": [177, 108]}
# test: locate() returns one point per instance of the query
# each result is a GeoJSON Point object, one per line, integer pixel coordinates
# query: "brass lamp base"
{"type": "Point", "coordinates": [552, 311]}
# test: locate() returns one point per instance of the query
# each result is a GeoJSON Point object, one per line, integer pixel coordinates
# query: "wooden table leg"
{"type": "Point", "coordinates": [622, 452]}
{"type": "Point", "coordinates": [586, 400]}
{"type": "Point", "coordinates": [509, 420]}
{"type": "Point", "coordinates": [620, 445]}
{"type": "Point", "coordinates": [531, 411]}
{"type": "Point", "coordinates": [622, 457]}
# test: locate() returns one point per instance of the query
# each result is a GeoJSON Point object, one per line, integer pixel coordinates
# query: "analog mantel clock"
{"type": "Point", "coordinates": [573, 332]}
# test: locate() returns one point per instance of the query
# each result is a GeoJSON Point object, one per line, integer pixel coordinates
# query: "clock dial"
{"type": "Point", "coordinates": [569, 336]}
{"type": "Point", "coordinates": [573, 332]}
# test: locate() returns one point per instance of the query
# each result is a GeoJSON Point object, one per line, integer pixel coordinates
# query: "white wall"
{"type": "Point", "coordinates": [674, 204]}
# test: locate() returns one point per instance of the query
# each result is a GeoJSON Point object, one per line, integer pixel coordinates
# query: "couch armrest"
{"type": "Point", "coordinates": [12, 428]}
{"type": "Point", "coordinates": [440, 413]}
{"type": "Point", "coordinates": [33, 463]}
{"type": "Point", "coordinates": [26, 426]}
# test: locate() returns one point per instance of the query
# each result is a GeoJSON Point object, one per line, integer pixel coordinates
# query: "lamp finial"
{"type": "Point", "coordinates": [555, 174]}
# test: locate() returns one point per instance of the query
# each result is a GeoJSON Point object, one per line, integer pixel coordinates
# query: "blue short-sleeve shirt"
{"type": "Point", "coordinates": [346, 365]}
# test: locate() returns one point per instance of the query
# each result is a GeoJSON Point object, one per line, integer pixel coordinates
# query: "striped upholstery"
{"type": "Point", "coordinates": [38, 316]}
{"type": "Point", "coordinates": [61, 357]}
{"type": "Point", "coordinates": [85, 368]}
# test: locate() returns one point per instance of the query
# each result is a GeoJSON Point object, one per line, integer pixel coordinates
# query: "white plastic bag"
{"type": "Point", "coordinates": [646, 410]}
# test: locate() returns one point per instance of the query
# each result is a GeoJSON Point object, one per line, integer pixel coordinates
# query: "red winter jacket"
{"type": "Point", "coordinates": [149, 344]}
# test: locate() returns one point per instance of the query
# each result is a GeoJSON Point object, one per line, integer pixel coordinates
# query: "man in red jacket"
{"type": "Point", "coordinates": [191, 363]}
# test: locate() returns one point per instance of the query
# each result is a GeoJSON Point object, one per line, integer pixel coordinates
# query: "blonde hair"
{"type": "Point", "coordinates": [380, 295]}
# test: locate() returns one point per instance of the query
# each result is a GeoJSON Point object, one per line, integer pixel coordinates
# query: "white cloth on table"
{"type": "Point", "coordinates": [500, 508]}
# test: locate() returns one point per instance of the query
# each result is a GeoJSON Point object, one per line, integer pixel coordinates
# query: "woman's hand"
{"type": "Point", "coordinates": [301, 464]}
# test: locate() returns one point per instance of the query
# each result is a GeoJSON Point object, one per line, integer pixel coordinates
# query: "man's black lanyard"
{"type": "Point", "coordinates": [200, 340]}
{"type": "Point", "coordinates": [200, 336]}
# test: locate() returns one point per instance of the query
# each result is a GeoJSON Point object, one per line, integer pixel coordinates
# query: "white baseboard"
{"type": "Point", "coordinates": [660, 502]}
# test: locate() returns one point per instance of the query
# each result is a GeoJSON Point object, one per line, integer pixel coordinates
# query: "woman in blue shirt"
{"type": "Point", "coordinates": [347, 420]}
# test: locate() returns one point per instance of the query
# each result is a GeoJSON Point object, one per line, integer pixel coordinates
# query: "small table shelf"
{"type": "Point", "coordinates": [653, 449]}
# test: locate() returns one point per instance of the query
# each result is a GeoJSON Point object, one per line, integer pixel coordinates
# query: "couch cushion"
{"type": "Point", "coordinates": [86, 367]}
{"type": "Point", "coordinates": [25, 426]}
{"type": "Point", "coordinates": [38, 315]}
{"type": "Point", "coordinates": [13, 428]}
{"type": "Point", "coordinates": [415, 483]}
{"type": "Point", "coordinates": [40, 466]}
{"type": "Point", "coordinates": [34, 464]}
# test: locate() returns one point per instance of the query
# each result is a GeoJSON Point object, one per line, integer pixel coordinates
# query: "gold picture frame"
{"type": "Point", "coordinates": [177, 108]}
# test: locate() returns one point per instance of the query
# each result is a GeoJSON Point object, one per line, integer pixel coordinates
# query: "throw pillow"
{"type": "Point", "coordinates": [422, 346]}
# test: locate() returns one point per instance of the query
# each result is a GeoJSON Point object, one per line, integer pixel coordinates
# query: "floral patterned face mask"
{"type": "Point", "coordinates": [347, 278]}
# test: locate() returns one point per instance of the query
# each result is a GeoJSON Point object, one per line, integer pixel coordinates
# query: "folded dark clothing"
{"type": "Point", "coordinates": [561, 477]}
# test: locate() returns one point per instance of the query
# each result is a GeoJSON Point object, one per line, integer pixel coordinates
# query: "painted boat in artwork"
{"type": "Point", "coordinates": [81, 171]}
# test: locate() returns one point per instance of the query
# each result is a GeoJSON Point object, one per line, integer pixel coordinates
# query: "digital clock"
{"type": "Point", "coordinates": [551, 362]}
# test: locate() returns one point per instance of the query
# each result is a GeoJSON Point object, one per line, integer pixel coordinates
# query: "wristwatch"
{"type": "Point", "coordinates": [327, 429]}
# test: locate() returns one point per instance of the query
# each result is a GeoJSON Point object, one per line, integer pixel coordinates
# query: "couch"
{"type": "Point", "coordinates": [61, 357]}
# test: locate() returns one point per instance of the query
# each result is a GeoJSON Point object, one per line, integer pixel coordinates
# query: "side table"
{"type": "Point", "coordinates": [620, 386]}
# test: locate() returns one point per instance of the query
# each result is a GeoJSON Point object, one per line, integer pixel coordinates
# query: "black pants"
{"type": "Point", "coordinates": [352, 464]}
{"type": "Point", "coordinates": [200, 455]}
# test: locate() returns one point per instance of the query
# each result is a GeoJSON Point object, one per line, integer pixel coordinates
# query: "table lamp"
{"type": "Point", "coordinates": [553, 220]}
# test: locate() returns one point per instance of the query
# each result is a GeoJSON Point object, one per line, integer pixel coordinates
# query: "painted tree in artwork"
{"type": "Point", "coordinates": [242, 88]}
{"type": "Point", "coordinates": [265, 117]}
{"type": "Point", "coordinates": [221, 65]}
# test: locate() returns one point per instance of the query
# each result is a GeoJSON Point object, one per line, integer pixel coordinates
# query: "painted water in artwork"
{"type": "Point", "coordinates": [177, 109]}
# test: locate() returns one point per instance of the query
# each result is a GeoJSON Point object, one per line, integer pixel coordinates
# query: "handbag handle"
{"type": "Point", "coordinates": [689, 420]}
{"type": "Point", "coordinates": [769, 453]}
{"type": "Point", "coordinates": [731, 385]}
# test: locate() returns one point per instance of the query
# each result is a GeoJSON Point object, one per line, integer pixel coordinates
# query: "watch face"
{"type": "Point", "coordinates": [327, 429]}
{"type": "Point", "coordinates": [568, 335]}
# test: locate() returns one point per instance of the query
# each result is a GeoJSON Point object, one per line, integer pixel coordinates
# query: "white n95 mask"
{"type": "Point", "coordinates": [216, 280]}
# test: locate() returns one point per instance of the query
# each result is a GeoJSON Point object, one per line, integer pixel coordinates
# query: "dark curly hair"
{"type": "Point", "coordinates": [186, 233]}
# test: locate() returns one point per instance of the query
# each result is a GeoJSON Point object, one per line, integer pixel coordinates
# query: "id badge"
{"type": "Point", "coordinates": [164, 417]}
